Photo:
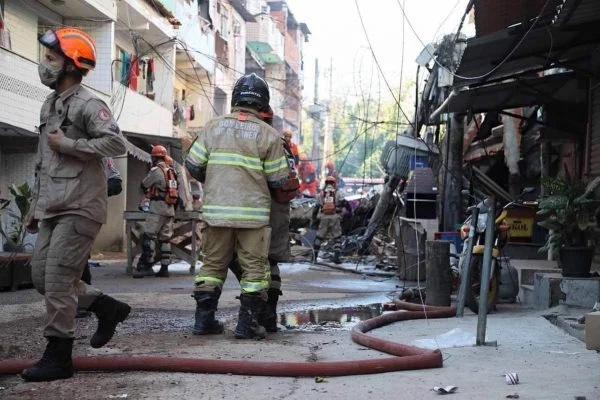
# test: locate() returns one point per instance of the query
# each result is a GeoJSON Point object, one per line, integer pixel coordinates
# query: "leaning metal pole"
{"type": "Point", "coordinates": [486, 271]}
{"type": "Point", "coordinates": [465, 268]}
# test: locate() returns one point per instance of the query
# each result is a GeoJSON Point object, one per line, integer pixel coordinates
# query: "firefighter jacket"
{"type": "Point", "coordinates": [156, 182]}
{"type": "Point", "coordinates": [72, 180]}
{"type": "Point", "coordinates": [240, 158]}
{"type": "Point", "coordinates": [337, 199]}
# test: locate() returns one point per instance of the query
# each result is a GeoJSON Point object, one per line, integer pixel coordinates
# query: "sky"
{"type": "Point", "coordinates": [337, 36]}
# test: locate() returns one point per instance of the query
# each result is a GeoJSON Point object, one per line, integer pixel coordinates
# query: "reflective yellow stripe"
{"type": "Point", "coordinates": [220, 158]}
{"type": "Point", "coordinates": [236, 213]}
{"type": "Point", "coordinates": [208, 280]}
{"type": "Point", "coordinates": [198, 154]}
{"type": "Point", "coordinates": [272, 167]}
{"type": "Point", "coordinates": [254, 286]}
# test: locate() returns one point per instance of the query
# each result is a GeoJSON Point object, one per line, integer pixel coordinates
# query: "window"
{"type": "Point", "coordinates": [203, 9]}
{"type": "Point", "coordinates": [4, 34]}
{"type": "Point", "coordinates": [224, 28]}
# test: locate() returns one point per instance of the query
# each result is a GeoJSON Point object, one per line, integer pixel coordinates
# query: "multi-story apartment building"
{"type": "Point", "coordinates": [274, 51]}
{"type": "Point", "coordinates": [134, 75]}
{"type": "Point", "coordinates": [165, 67]}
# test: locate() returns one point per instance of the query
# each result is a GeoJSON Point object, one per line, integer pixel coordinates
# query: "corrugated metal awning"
{"type": "Point", "coordinates": [540, 46]}
{"type": "Point", "coordinates": [519, 92]}
{"type": "Point", "coordinates": [577, 12]}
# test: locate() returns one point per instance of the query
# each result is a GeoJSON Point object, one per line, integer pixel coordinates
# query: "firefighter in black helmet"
{"type": "Point", "coordinates": [240, 160]}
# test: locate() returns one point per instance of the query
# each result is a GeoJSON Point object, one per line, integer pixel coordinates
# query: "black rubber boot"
{"type": "Point", "coordinates": [206, 306]}
{"type": "Point", "coordinates": [316, 248]}
{"type": "Point", "coordinates": [336, 257]}
{"type": "Point", "coordinates": [163, 272]}
{"type": "Point", "coordinates": [146, 261]}
{"type": "Point", "coordinates": [268, 318]}
{"type": "Point", "coordinates": [109, 312]}
{"type": "Point", "coordinates": [251, 307]}
{"type": "Point", "coordinates": [56, 363]}
{"type": "Point", "coordinates": [141, 272]}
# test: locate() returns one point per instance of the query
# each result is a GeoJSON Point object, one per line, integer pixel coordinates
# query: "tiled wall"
{"type": "Point", "coordinates": [103, 34]}
{"type": "Point", "coordinates": [21, 93]}
{"type": "Point", "coordinates": [21, 22]}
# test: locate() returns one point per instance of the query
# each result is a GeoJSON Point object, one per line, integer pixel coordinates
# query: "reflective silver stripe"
{"type": "Point", "coordinates": [275, 166]}
{"type": "Point", "coordinates": [209, 280]}
{"type": "Point", "coordinates": [220, 158]}
{"type": "Point", "coordinates": [236, 213]}
{"type": "Point", "coordinates": [198, 154]}
{"type": "Point", "coordinates": [254, 286]}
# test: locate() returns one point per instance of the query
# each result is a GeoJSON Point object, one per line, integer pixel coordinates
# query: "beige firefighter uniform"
{"type": "Point", "coordinates": [70, 200]}
{"type": "Point", "coordinates": [159, 221]}
{"type": "Point", "coordinates": [158, 224]}
{"type": "Point", "coordinates": [330, 226]}
{"type": "Point", "coordinates": [241, 158]}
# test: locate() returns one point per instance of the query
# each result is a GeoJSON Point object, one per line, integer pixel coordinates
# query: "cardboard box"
{"type": "Point", "coordinates": [592, 331]}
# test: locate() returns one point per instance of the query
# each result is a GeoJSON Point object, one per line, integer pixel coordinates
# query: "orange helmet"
{"type": "Point", "coordinates": [159, 151]}
{"type": "Point", "coordinates": [169, 161]}
{"type": "Point", "coordinates": [74, 43]}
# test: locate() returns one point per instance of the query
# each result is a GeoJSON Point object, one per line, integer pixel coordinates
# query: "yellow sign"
{"type": "Point", "coordinates": [520, 227]}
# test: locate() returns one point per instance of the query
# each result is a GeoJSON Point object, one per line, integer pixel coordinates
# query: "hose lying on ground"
{"type": "Point", "coordinates": [406, 357]}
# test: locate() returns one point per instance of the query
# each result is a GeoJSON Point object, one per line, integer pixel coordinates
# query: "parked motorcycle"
{"type": "Point", "coordinates": [477, 237]}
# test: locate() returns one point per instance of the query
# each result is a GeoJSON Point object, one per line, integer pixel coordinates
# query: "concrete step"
{"type": "Point", "coordinates": [526, 295]}
{"type": "Point", "coordinates": [528, 268]}
{"type": "Point", "coordinates": [551, 289]}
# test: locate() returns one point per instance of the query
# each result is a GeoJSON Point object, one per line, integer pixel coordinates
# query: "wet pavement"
{"type": "Point", "coordinates": [329, 318]}
{"type": "Point", "coordinates": [319, 306]}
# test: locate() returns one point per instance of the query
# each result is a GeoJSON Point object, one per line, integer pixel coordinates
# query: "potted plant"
{"type": "Point", "coordinates": [569, 210]}
{"type": "Point", "coordinates": [17, 271]}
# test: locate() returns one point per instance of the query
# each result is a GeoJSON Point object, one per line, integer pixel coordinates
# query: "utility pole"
{"type": "Point", "coordinates": [315, 113]}
{"type": "Point", "coordinates": [453, 149]}
{"type": "Point", "coordinates": [328, 121]}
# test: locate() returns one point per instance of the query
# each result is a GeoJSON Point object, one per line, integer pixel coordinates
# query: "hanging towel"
{"type": "Point", "coordinates": [125, 67]}
{"type": "Point", "coordinates": [135, 72]}
{"type": "Point", "coordinates": [150, 76]}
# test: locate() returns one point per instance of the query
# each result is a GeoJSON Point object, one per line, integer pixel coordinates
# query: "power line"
{"type": "Point", "coordinates": [198, 77]}
{"type": "Point", "coordinates": [377, 62]}
{"type": "Point", "coordinates": [494, 69]}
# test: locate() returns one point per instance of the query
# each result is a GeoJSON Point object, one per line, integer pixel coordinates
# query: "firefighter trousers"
{"type": "Point", "coordinates": [61, 252]}
{"type": "Point", "coordinates": [156, 228]}
{"type": "Point", "coordinates": [219, 244]}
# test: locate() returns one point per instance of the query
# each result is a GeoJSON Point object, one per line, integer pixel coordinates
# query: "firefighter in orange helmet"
{"type": "Point", "coordinates": [287, 136]}
{"type": "Point", "coordinates": [160, 188]}
{"type": "Point", "coordinates": [327, 213]}
{"type": "Point", "coordinates": [77, 131]}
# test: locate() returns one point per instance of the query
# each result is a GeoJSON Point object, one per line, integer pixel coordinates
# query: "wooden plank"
{"type": "Point", "coordinates": [129, 267]}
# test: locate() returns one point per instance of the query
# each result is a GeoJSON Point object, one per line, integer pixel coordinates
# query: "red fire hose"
{"type": "Point", "coordinates": [406, 357]}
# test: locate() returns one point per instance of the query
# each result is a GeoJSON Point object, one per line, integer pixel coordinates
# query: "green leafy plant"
{"type": "Point", "coordinates": [569, 209]}
{"type": "Point", "coordinates": [14, 231]}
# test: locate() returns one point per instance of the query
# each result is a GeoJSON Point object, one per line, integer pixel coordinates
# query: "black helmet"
{"type": "Point", "coordinates": [251, 91]}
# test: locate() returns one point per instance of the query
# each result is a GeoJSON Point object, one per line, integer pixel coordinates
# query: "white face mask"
{"type": "Point", "coordinates": [329, 188]}
{"type": "Point", "coordinates": [50, 72]}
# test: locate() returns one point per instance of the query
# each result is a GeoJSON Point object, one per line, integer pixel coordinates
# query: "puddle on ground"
{"type": "Point", "coordinates": [329, 318]}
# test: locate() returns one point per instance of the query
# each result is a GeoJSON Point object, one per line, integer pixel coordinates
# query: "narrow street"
{"type": "Point", "coordinates": [392, 199]}
{"type": "Point", "coordinates": [163, 315]}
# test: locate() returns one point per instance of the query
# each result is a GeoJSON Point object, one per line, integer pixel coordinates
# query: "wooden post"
{"type": "Point", "coordinates": [451, 199]}
{"type": "Point", "coordinates": [439, 281]}
{"type": "Point", "coordinates": [130, 251]}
